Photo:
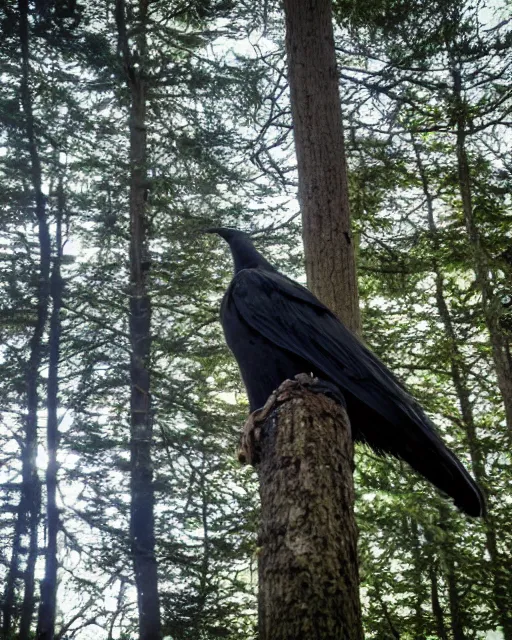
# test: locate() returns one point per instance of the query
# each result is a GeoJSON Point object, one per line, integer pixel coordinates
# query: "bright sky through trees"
{"type": "Point", "coordinates": [426, 100]}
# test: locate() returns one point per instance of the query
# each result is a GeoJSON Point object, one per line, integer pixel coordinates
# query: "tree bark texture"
{"type": "Point", "coordinates": [48, 601]}
{"type": "Point", "coordinates": [308, 571]}
{"type": "Point", "coordinates": [318, 131]}
{"type": "Point", "coordinates": [142, 493]}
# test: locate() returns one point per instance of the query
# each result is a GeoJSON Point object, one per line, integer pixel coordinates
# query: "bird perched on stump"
{"type": "Point", "coordinates": [277, 329]}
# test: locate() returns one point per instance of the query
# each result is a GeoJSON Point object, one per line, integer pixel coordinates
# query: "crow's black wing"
{"type": "Point", "coordinates": [289, 316]}
{"type": "Point", "coordinates": [293, 319]}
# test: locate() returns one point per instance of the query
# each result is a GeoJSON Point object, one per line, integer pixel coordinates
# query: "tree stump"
{"type": "Point", "coordinates": [302, 447]}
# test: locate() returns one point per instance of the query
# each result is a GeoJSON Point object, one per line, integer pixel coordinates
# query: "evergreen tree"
{"type": "Point", "coordinates": [426, 102]}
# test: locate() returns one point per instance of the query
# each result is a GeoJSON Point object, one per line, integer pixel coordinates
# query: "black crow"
{"type": "Point", "coordinates": [276, 329]}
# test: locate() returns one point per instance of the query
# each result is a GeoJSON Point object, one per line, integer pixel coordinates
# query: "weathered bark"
{"type": "Point", "coordinates": [48, 602]}
{"type": "Point", "coordinates": [308, 571]}
{"type": "Point", "coordinates": [308, 563]}
{"type": "Point", "coordinates": [318, 131]}
{"type": "Point", "coordinates": [459, 377]}
{"type": "Point", "coordinates": [141, 481]}
{"type": "Point", "coordinates": [30, 503]}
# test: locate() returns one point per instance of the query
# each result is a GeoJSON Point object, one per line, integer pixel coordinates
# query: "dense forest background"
{"type": "Point", "coordinates": [427, 97]}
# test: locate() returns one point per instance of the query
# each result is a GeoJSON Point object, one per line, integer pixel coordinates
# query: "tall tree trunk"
{"type": "Point", "coordinates": [459, 377]}
{"type": "Point", "coordinates": [308, 571]}
{"type": "Point", "coordinates": [500, 343]}
{"type": "Point", "coordinates": [501, 598]}
{"type": "Point", "coordinates": [318, 131]}
{"type": "Point", "coordinates": [31, 483]}
{"type": "Point", "coordinates": [48, 603]}
{"type": "Point", "coordinates": [310, 587]}
{"type": "Point", "coordinates": [142, 493]}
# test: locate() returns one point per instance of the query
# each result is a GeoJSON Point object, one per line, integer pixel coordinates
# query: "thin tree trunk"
{"type": "Point", "coordinates": [418, 558]}
{"type": "Point", "coordinates": [459, 377]}
{"type": "Point", "coordinates": [387, 615]}
{"type": "Point", "coordinates": [205, 564]}
{"type": "Point", "coordinates": [318, 131]}
{"type": "Point", "coordinates": [118, 611]}
{"type": "Point", "coordinates": [501, 598]}
{"type": "Point", "coordinates": [446, 551]}
{"type": "Point", "coordinates": [142, 493]}
{"type": "Point", "coordinates": [14, 572]}
{"type": "Point", "coordinates": [31, 483]}
{"type": "Point", "coordinates": [437, 548]}
{"type": "Point", "coordinates": [28, 604]}
{"type": "Point", "coordinates": [48, 603]}
{"type": "Point", "coordinates": [454, 601]}
{"type": "Point", "coordinates": [436, 604]}
{"type": "Point", "coordinates": [500, 343]}
{"type": "Point", "coordinates": [308, 571]}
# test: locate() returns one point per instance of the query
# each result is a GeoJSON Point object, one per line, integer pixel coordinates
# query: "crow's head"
{"type": "Point", "coordinates": [245, 255]}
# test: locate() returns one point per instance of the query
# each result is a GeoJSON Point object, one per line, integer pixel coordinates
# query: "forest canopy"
{"type": "Point", "coordinates": [184, 109]}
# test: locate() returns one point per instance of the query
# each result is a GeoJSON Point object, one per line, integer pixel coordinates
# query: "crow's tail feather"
{"type": "Point", "coordinates": [443, 469]}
